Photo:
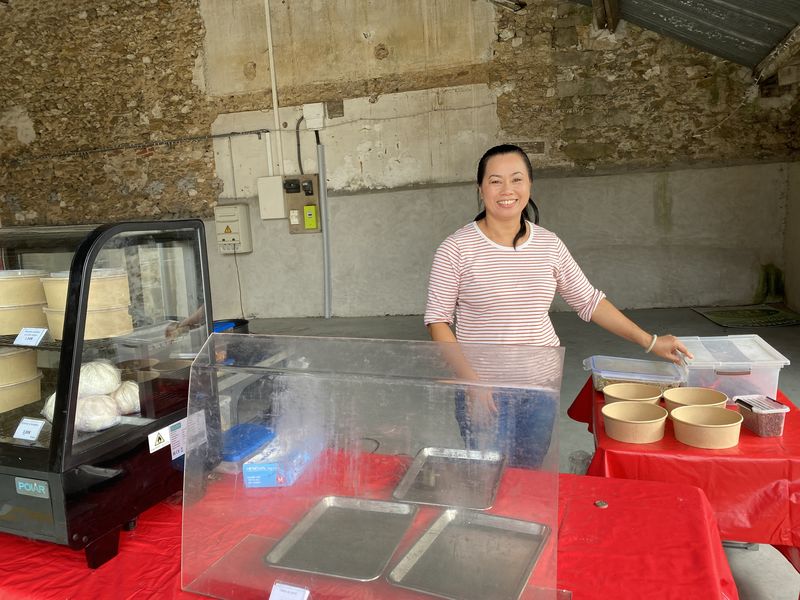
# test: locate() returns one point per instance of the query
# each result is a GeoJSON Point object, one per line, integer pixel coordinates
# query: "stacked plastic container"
{"type": "Point", "coordinates": [107, 310]}
{"type": "Point", "coordinates": [21, 302]}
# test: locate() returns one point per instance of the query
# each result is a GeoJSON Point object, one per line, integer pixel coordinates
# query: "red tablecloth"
{"type": "Point", "coordinates": [653, 540]}
{"type": "Point", "coordinates": [754, 488]}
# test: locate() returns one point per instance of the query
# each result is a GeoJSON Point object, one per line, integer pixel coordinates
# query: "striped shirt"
{"type": "Point", "coordinates": [502, 295]}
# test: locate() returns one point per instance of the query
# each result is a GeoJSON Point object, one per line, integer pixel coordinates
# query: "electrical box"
{"type": "Point", "coordinates": [271, 204]}
{"type": "Point", "coordinates": [301, 193]}
{"type": "Point", "coordinates": [233, 228]}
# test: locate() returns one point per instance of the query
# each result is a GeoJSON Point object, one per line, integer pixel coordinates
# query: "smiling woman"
{"type": "Point", "coordinates": [496, 279]}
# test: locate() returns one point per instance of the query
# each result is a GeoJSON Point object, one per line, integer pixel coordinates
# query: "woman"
{"type": "Point", "coordinates": [497, 276]}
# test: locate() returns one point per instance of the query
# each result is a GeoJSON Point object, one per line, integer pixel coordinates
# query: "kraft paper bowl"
{"type": "Point", "coordinates": [693, 396]}
{"type": "Point", "coordinates": [632, 392]}
{"type": "Point", "coordinates": [634, 422]}
{"type": "Point", "coordinates": [710, 427]}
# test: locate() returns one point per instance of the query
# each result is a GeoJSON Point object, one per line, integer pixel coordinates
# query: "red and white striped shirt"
{"type": "Point", "coordinates": [502, 295]}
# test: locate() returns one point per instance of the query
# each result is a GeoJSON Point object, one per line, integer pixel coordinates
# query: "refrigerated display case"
{"type": "Point", "coordinates": [84, 446]}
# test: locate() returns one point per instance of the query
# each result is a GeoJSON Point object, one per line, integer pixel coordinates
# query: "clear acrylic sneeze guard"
{"type": "Point", "coordinates": [370, 469]}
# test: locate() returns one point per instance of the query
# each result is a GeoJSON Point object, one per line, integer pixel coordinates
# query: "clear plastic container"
{"type": "Point", "coordinates": [763, 416]}
{"type": "Point", "coordinates": [613, 369]}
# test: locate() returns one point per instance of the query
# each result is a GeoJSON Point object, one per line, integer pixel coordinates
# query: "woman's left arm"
{"type": "Point", "coordinates": [666, 346]}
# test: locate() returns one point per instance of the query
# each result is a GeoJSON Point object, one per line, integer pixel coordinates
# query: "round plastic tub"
{"type": "Point", "coordinates": [136, 364]}
{"type": "Point", "coordinates": [632, 392]}
{"type": "Point", "coordinates": [17, 364]}
{"type": "Point", "coordinates": [100, 323]}
{"type": "Point", "coordinates": [108, 289]}
{"type": "Point", "coordinates": [19, 394]}
{"type": "Point", "coordinates": [21, 287]}
{"type": "Point", "coordinates": [14, 318]}
{"type": "Point", "coordinates": [634, 422]}
{"type": "Point", "coordinates": [710, 427]}
{"type": "Point", "coordinates": [693, 396]}
{"type": "Point", "coordinates": [174, 368]}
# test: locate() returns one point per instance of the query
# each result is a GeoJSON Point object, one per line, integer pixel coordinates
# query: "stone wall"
{"type": "Point", "coordinates": [83, 76]}
{"type": "Point", "coordinates": [107, 111]}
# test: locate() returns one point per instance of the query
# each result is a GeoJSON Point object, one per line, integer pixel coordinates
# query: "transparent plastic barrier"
{"type": "Point", "coordinates": [310, 443]}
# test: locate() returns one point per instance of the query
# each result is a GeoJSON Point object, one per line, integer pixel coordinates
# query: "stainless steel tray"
{"type": "Point", "coordinates": [468, 555]}
{"type": "Point", "coordinates": [452, 477]}
{"type": "Point", "coordinates": [344, 537]}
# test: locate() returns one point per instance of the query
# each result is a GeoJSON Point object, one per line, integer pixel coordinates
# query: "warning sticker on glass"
{"type": "Point", "coordinates": [158, 439]}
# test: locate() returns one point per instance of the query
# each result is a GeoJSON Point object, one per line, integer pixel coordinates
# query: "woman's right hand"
{"type": "Point", "coordinates": [481, 407]}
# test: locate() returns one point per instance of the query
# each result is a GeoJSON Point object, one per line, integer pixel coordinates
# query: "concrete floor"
{"type": "Point", "coordinates": [761, 574]}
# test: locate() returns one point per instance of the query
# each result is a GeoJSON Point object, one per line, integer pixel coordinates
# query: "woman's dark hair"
{"type": "Point", "coordinates": [524, 215]}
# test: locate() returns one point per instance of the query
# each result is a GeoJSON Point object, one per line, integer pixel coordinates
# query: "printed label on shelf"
{"type": "Point", "coordinates": [29, 429]}
{"type": "Point", "coordinates": [284, 591]}
{"type": "Point", "coordinates": [30, 336]}
{"type": "Point", "coordinates": [158, 439]}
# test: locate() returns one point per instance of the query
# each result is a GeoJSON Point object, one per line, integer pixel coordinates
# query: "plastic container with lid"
{"type": "Point", "coordinates": [108, 288]}
{"type": "Point", "coordinates": [735, 364]}
{"type": "Point", "coordinates": [17, 364]}
{"type": "Point", "coordinates": [21, 393]}
{"type": "Point", "coordinates": [763, 416]}
{"type": "Point", "coordinates": [100, 323]}
{"type": "Point", "coordinates": [613, 369]}
{"type": "Point", "coordinates": [15, 318]}
{"type": "Point", "coordinates": [19, 287]}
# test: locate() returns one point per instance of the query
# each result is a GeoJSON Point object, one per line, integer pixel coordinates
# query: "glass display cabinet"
{"type": "Point", "coordinates": [371, 469]}
{"type": "Point", "coordinates": [94, 365]}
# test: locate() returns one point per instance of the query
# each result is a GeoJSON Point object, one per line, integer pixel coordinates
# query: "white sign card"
{"type": "Point", "coordinates": [30, 336]}
{"type": "Point", "coordinates": [29, 429]}
{"type": "Point", "coordinates": [284, 591]}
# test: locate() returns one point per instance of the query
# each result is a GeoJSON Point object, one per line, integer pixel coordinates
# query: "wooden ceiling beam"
{"type": "Point", "coordinates": [606, 14]}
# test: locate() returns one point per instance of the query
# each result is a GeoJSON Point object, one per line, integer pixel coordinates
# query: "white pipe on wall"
{"type": "Point", "coordinates": [326, 242]}
{"type": "Point", "coordinates": [273, 79]}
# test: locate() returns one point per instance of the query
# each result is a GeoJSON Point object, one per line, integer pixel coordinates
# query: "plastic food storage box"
{"type": "Point", "coordinates": [735, 364]}
{"type": "Point", "coordinates": [761, 415]}
{"type": "Point", "coordinates": [612, 369]}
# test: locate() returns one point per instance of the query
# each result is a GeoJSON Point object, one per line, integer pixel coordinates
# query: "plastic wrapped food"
{"type": "Point", "coordinates": [49, 406]}
{"type": "Point", "coordinates": [98, 378]}
{"type": "Point", "coordinates": [127, 397]}
{"type": "Point", "coordinates": [95, 413]}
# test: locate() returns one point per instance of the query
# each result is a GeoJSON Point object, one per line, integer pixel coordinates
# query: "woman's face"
{"type": "Point", "coordinates": [506, 187]}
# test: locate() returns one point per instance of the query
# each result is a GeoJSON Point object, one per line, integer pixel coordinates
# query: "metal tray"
{"type": "Point", "coordinates": [344, 537]}
{"type": "Point", "coordinates": [452, 477]}
{"type": "Point", "coordinates": [468, 555]}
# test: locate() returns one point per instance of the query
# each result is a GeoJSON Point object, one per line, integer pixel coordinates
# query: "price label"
{"type": "Point", "coordinates": [29, 429]}
{"type": "Point", "coordinates": [284, 591]}
{"type": "Point", "coordinates": [30, 336]}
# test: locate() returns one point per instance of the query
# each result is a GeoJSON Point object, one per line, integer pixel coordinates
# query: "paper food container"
{"type": "Point", "coordinates": [19, 394]}
{"type": "Point", "coordinates": [16, 365]}
{"type": "Point", "coordinates": [694, 396]}
{"type": "Point", "coordinates": [633, 392]}
{"type": "Point", "coordinates": [634, 422]}
{"type": "Point", "coordinates": [100, 322]}
{"type": "Point", "coordinates": [20, 287]}
{"type": "Point", "coordinates": [706, 426]}
{"type": "Point", "coordinates": [108, 289]}
{"type": "Point", "coordinates": [14, 318]}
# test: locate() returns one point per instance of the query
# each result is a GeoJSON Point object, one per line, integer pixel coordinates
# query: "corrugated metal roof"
{"type": "Point", "coordinates": [742, 31]}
